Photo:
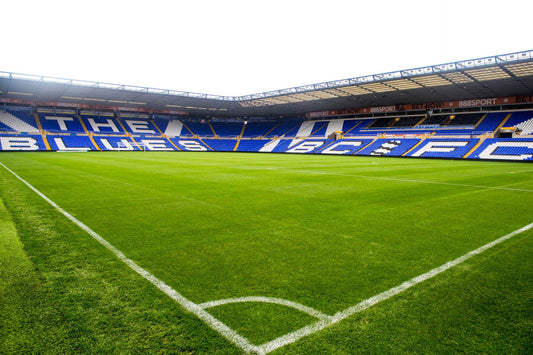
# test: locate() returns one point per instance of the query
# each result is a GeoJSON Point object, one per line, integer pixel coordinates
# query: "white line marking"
{"type": "Point", "coordinates": [286, 339]}
{"type": "Point", "coordinates": [311, 311]}
{"type": "Point", "coordinates": [398, 179]}
{"type": "Point", "coordinates": [361, 306]}
{"type": "Point", "coordinates": [517, 172]}
{"type": "Point", "coordinates": [190, 306]}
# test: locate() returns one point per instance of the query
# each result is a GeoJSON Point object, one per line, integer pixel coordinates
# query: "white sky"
{"type": "Point", "coordinates": [240, 47]}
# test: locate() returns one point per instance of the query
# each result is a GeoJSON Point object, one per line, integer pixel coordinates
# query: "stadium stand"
{"type": "Point", "coordinates": [435, 120]}
{"type": "Point", "coordinates": [187, 144]}
{"type": "Point", "coordinates": [348, 127]}
{"type": "Point", "coordinates": [470, 136]}
{"type": "Point", "coordinates": [490, 123]}
{"type": "Point", "coordinates": [54, 122]}
{"type": "Point", "coordinates": [320, 130]}
{"type": "Point", "coordinates": [17, 121]}
{"type": "Point", "coordinates": [286, 128]}
{"type": "Point", "coordinates": [200, 129]}
{"type": "Point", "coordinates": [525, 127]}
{"type": "Point", "coordinates": [71, 143]}
{"type": "Point", "coordinates": [464, 119]}
{"type": "Point", "coordinates": [443, 148]}
{"type": "Point", "coordinates": [345, 146]}
{"type": "Point", "coordinates": [28, 142]}
{"type": "Point", "coordinates": [221, 145]}
{"type": "Point", "coordinates": [257, 129]}
{"type": "Point", "coordinates": [227, 129]}
{"type": "Point", "coordinates": [389, 147]}
{"type": "Point", "coordinates": [115, 143]}
{"type": "Point", "coordinates": [517, 118]}
{"type": "Point", "coordinates": [102, 123]}
{"type": "Point", "coordinates": [141, 126]}
{"type": "Point", "coordinates": [407, 121]}
{"type": "Point", "coordinates": [170, 127]}
{"type": "Point", "coordinates": [384, 122]}
{"type": "Point", "coordinates": [504, 149]}
{"type": "Point", "coordinates": [251, 145]}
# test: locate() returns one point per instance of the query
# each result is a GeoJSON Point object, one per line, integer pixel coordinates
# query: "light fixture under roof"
{"type": "Point", "coordinates": [457, 78]}
{"type": "Point", "coordinates": [20, 93]}
{"type": "Point", "coordinates": [432, 80]}
{"type": "Point", "coordinates": [403, 84]}
{"type": "Point", "coordinates": [356, 90]}
{"type": "Point", "coordinates": [306, 96]}
{"type": "Point", "coordinates": [378, 87]}
{"type": "Point", "coordinates": [323, 94]}
{"type": "Point", "coordinates": [521, 69]}
{"type": "Point", "coordinates": [484, 74]}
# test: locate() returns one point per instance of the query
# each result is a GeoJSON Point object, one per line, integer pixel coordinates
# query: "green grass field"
{"type": "Point", "coordinates": [319, 231]}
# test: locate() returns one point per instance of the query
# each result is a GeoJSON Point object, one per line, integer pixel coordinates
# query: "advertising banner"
{"type": "Point", "coordinates": [89, 107]}
{"type": "Point", "coordinates": [428, 106]}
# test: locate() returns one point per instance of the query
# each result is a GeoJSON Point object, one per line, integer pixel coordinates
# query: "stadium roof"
{"type": "Point", "coordinates": [496, 76]}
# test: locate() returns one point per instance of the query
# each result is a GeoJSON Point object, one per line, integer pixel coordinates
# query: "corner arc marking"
{"type": "Point", "coordinates": [310, 311]}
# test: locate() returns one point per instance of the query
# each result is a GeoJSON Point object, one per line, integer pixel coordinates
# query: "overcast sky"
{"type": "Point", "coordinates": [243, 47]}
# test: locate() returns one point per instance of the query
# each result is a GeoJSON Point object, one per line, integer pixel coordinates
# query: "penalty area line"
{"type": "Point", "coordinates": [190, 306]}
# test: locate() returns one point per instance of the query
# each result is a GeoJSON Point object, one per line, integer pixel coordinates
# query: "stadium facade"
{"type": "Point", "coordinates": [474, 109]}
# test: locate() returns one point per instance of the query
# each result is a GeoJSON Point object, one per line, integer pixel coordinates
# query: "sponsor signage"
{"type": "Point", "coordinates": [428, 106]}
{"type": "Point", "coordinates": [90, 107]}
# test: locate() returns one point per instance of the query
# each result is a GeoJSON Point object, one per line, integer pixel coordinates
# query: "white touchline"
{"type": "Point", "coordinates": [521, 171]}
{"type": "Point", "coordinates": [237, 339]}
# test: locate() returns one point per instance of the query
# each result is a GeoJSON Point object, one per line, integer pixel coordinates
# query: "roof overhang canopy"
{"type": "Point", "coordinates": [497, 76]}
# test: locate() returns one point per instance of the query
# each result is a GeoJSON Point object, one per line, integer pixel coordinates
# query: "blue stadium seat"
{"type": "Point", "coordinates": [443, 148]}
{"type": "Point", "coordinates": [18, 121]}
{"type": "Point", "coordinates": [200, 129]}
{"type": "Point", "coordinates": [251, 145]}
{"type": "Point", "coordinates": [189, 144]}
{"type": "Point", "coordinates": [26, 142]}
{"type": "Point", "coordinates": [255, 129]}
{"type": "Point", "coordinates": [60, 122]}
{"type": "Point", "coordinates": [70, 142]}
{"type": "Point", "coordinates": [102, 124]}
{"type": "Point", "coordinates": [505, 149]}
{"type": "Point", "coordinates": [518, 117]}
{"type": "Point", "coordinates": [228, 129]}
{"type": "Point", "coordinates": [287, 128]}
{"type": "Point", "coordinates": [389, 147]}
{"type": "Point", "coordinates": [221, 145]}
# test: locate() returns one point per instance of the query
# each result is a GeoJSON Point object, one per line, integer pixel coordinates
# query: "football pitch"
{"type": "Point", "coordinates": [229, 253]}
